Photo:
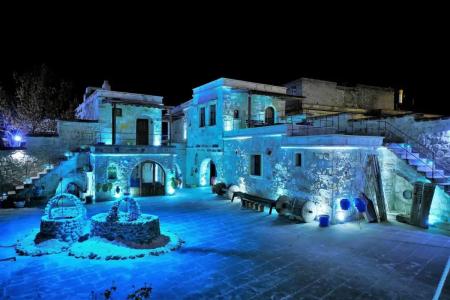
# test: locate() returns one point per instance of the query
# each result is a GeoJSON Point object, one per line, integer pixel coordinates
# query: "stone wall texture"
{"type": "Point", "coordinates": [66, 230]}
{"type": "Point", "coordinates": [141, 231]}
{"type": "Point", "coordinates": [325, 174]}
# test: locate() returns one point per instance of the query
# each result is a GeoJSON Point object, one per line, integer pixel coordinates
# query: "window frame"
{"type": "Point", "coordinates": [116, 170]}
{"type": "Point", "coordinates": [117, 112]}
{"type": "Point", "coordinates": [210, 116]}
{"type": "Point", "coordinates": [295, 159]}
{"type": "Point", "coordinates": [261, 164]}
{"type": "Point", "coordinates": [202, 117]}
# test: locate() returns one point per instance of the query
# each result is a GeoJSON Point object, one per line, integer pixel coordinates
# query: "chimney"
{"type": "Point", "coordinates": [106, 85]}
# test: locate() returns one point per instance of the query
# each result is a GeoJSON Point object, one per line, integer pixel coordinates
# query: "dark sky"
{"type": "Point", "coordinates": [142, 49]}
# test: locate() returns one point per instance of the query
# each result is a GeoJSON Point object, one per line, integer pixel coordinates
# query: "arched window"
{"type": "Point", "coordinates": [269, 116]}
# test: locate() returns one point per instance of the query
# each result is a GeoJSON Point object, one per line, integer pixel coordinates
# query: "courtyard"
{"type": "Point", "coordinates": [236, 253]}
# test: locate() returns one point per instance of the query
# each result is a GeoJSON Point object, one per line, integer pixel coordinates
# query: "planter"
{"type": "Point", "coordinates": [324, 220]}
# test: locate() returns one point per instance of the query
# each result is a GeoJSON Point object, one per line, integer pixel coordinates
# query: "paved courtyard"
{"type": "Point", "coordinates": [233, 253]}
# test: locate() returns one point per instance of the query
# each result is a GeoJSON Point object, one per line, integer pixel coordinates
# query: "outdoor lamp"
{"type": "Point", "coordinates": [117, 195]}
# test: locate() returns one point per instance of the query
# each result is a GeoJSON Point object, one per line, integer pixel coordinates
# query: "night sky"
{"type": "Point", "coordinates": [142, 50]}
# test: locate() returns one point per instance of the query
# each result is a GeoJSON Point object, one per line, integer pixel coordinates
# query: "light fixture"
{"type": "Point", "coordinates": [170, 190]}
{"type": "Point", "coordinates": [17, 138]}
{"type": "Point", "coordinates": [117, 195]}
{"type": "Point", "coordinates": [340, 215]}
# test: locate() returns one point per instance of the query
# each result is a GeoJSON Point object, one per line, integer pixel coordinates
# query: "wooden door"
{"type": "Point", "coordinates": [142, 132]}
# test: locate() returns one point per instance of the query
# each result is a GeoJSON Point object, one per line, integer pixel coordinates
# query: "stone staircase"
{"type": "Point", "coordinates": [422, 164]}
{"type": "Point", "coordinates": [29, 182]}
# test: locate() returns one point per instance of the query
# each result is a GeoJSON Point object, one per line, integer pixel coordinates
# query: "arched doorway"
{"type": "Point", "coordinates": [269, 116]}
{"type": "Point", "coordinates": [148, 178]}
{"type": "Point", "coordinates": [208, 172]}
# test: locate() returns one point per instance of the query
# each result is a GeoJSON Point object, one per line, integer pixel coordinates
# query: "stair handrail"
{"type": "Point", "coordinates": [409, 153]}
{"type": "Point", "coordinates": [431, 155]}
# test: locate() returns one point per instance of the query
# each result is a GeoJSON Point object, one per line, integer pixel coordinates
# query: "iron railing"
{"type": "Point", "coordinates": [394, 134]}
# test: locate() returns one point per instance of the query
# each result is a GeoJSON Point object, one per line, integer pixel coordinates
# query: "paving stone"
{"type": "Point", "coordinates": [238, 254]}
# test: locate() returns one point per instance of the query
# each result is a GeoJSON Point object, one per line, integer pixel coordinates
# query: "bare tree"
{"type": "Point", "coordinates": [41, 96]}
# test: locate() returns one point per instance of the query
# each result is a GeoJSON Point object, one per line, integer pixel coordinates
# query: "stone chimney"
{"type": "Point", "coordinates": [106, 85]}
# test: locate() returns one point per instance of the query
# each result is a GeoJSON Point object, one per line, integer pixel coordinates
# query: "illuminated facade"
{"type": "Point", "coordinates": [310, 140]}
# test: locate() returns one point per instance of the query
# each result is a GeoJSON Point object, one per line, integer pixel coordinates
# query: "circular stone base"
{"type": "Point", "coordinates": [33, 244]}
{"type": "Point", "coordinates": [141, 231]}
{"type": "Point", "coordinates": [101, 248]}
{"type": "Point", "coordinates": [63, 229]}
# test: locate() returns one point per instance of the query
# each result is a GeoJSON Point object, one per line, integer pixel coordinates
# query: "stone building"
{"type": "Point", "coordinates": [309, 140]}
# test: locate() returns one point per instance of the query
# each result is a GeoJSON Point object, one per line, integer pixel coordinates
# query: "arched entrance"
{"type": "Point", "coordinates": [269, 116]}
{"type": "Point", "coordinates": [208, 172]}
{"type": "Point", "coordinates": [148, 178]}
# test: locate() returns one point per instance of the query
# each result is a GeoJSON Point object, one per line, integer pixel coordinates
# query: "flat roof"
{"type": "Point", "coordinates": [241, 84]}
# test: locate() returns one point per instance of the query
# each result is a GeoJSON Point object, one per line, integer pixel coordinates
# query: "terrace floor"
{"type": "Point", "coordinates": [233, 253]}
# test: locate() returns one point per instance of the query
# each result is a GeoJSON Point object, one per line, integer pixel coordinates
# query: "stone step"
{"type": "Point", "coordinates": [10, 193]}
{"type": "Point", "coordinates": [408, 155]}
{"type": "Point", "coordinates": [42, 173]}
{"type": "Point", "coordinates": [20, 187]}
{"type": "Point", "coordinates": [415, 162]}
{"type": "Point", "coordinates": [424, 168]}
{"type": "Point", "coordinates": [438, 174]}
{"type": "Point", "coordinates": [442, 180]}
{"type": "Point", "coordinates": [398, 146]}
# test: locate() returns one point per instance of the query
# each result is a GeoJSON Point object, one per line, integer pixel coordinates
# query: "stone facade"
{"type": "Point", "coordinates": [327, 93]}
{"type": "Point", "coordinates": [125, 163]}
{"type": "Point", "coordinates": [327, 173]}
{"type": "Point", "coordinates": [221, 142]}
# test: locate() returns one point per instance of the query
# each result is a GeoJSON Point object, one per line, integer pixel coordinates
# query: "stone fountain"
{"type": "Point", "coordinates": [130, 227]}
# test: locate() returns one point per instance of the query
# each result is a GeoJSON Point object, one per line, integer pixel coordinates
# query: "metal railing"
{"type": "Point", "coordinates": [394, 134]}
{"type": "Point", "coordinates": [121, 138]}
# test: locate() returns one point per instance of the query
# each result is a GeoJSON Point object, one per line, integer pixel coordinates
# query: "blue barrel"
{"type": "Point", "coordinates": [345, 204]}
{"type": "Point", "coordinates": [324, 220]}
{"type": "Point", "coordinates": [360, 205]}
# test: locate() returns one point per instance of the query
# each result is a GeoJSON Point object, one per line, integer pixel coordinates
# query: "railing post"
{"type": "Point", "coordinates": [433, 168]}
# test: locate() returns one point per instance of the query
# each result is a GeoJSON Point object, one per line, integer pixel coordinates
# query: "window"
{"type": "Point", "coordinates": [236, 114]}
{"type": "Point", "coordinates": [118, 112]}
{"type": "Point", "coordinates": [269, 116]}
{"type": "Point", "coordinates": [202, 117]}
{"type": "Point", "coordinates": [255, 165]}
{"type": "Point", "coordinates": [212, 115]}
{"type": "Point", "coordinates": [298, 159]}
{"type": "Point", "coordinates": [112, 172]}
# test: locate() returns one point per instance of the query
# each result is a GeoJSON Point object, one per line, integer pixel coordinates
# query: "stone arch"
{"type": "Point", "coordinates": [207, 170]}
{"type": "Point", "coordinates": [269, 115]}
{"type": "Point", "coordinates": [148, 177]}
{"type": "Point", "coordinates": [55, 207]}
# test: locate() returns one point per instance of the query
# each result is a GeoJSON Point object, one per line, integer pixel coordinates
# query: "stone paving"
{"type": "Point", "coordinates": [233, 253]}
